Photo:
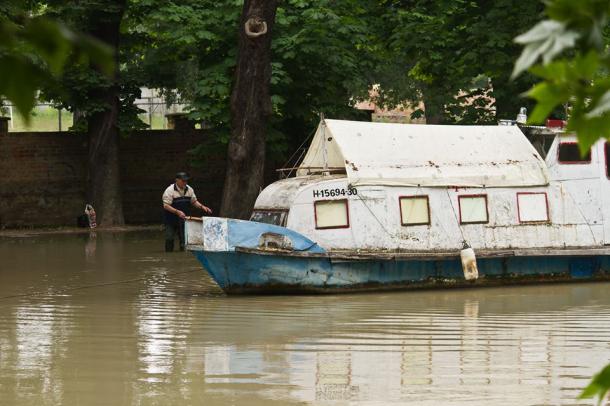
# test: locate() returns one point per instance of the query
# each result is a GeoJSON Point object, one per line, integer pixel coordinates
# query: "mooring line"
{"type": "Point", "coordinates": [89, 286]}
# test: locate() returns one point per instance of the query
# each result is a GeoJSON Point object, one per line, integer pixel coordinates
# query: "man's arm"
{"type": "Point", "coordinates": [198, 205]}
{"type": "Point", "coordinates": [175, 211]}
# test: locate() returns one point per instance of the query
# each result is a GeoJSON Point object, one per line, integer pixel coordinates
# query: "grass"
{"type": "Point", "coordinates": [44, 118]}
{"type": "Point", "coordinates": [158, 121]}
{"type": "Point", "coordinates": [41, 119]}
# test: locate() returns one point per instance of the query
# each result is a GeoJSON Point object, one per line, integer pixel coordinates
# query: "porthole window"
{"type": "Point", "coordinates": [532, 207]}
{"type": "Point", "coordinates": [473, 209]}
{"type": "Point", "coordinates": [331, 214]}
{"type": "Point", "coordinates": [414, 210]}
{"type": "Point", "coordinates": [568, 153]}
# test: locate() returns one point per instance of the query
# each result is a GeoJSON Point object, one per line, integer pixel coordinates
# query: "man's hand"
{"type": "Point", "coordinates": [205, 209]}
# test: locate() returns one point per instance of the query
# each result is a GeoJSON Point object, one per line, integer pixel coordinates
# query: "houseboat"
{"type": "Point", "coordinates": [377, 206]}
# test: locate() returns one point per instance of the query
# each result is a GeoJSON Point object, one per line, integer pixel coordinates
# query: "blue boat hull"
{"type": "Point", "coordinates": [250, 273]}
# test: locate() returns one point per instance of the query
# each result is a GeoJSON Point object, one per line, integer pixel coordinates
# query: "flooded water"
{"type": "Point", "coordinates": [116, 321]}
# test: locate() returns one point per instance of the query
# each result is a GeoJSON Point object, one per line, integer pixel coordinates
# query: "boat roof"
{"type": "Point", "coordinates": [280, 195]}
{"type": "Point", "coordinates": [426, 155]}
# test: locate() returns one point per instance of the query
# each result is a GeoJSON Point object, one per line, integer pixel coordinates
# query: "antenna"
{"type": "Point", "coordinates": [522, 116]}
{"type": "Point", "coordinates": [324, 151]}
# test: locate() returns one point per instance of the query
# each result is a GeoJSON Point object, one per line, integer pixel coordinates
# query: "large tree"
{"type": "Point", "coordinates": [322, 58]}
{"type": "Point", "coordinates": [103, 169]}
{"type": "Point", "coordinates": [44, 52]}
{"type": "Point", "coordinates": [103, 103]}
{"type": "Point", "coordinates": [250, 109]}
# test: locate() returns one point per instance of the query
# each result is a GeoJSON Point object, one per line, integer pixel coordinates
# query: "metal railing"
{"type": "Point", "coordinates": [46, 117]}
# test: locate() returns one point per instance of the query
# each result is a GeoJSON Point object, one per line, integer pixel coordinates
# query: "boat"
{"type": "Point", "coordinates": [384, 206]}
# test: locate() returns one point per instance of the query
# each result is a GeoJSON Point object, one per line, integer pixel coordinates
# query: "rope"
{"type": "Point", "coordinates": [563, 190]}
{"type": "Point", "coordinates": [300, 148]}
{"type": "Point", "coordinates": [374, 216]}
{"type": "Point", "coordinates": [303, 151]}
{"type": "Point", "coordinates": [455, 215]}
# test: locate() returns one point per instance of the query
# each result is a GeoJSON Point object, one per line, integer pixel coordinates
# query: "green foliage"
{"type": "Point", "coordinates": [569, 53]}
{"type": "Point", "coordinates": [79, 86]}
{"type": "Point", "coordinates": [573, 46]}
{"type": "Point", "coordinates": [322, 59]}
{"type": "Point", "coordinates": [599, 386]}
{"type": "Point", "coordinates": [457, 55]}
{"type": "Point", "coordinates": [188, 47]}
{"type": "Point", "coordinates": [326, 55]}
{"type": "Point", "coordinates": [547, 40]}
{"type": "Point", "coordinates": [34, 50]}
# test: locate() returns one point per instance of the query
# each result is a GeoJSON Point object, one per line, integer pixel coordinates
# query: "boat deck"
{"type": "Point", "coordinates": [364, 255]}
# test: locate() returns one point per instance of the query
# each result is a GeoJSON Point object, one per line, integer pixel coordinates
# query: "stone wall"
{"type": "Point", "coordinates": [43, 175]}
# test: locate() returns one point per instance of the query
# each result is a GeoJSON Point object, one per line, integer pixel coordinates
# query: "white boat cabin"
{"type": "Point", "coordinates": [380, 186]}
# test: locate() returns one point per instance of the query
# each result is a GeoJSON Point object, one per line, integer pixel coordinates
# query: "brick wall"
{"type": "Point", "coordinates": [42, 175]}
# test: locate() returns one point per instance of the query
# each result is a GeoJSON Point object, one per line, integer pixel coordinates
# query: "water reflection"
{"type": "Point", "coordinates": [91, 246]}
{"type": "Point", "coordinates": [415, 349]}
{"type": "Point", "coordinates": [136, 326]}
{"type": "Point", "coordinates": [39, 338]}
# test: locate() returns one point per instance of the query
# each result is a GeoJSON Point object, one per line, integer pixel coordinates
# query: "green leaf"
{"type": "Point", "coordinates": [599, 386]}
{"type": "Point", "coordinates": [20, 81]}
{"type": "Point", "coordinates": [98, 52]}
{"type": "Point", "coordinates": [548, 97]}
{"type": "Point", "coordinates": [589, 131]}
{"type": "Point", "coordinates": [586, 66]}
{"type": "Point", "coordinates": [527, 58]}
{"type": "Point", "coordinates": [555, 72]}
{"type": "Point", "coordinates": [49, 40]}
{"type": "Point", "coordinates": [546, 39]}
{"type": "Point", "coordinates": [540, 32]}
{"type": "Point", "coordinates": [601, 107]}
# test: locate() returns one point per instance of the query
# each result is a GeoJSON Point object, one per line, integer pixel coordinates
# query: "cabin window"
{"type": "Point", "coordinates": [414, 210]}
{"type": "Point", "coordinates": [532, 207]}
{"type": "Point", "coordinates": [275, 217]}
{"type": "Point", "coordinates": [607, 151]}
{"type": "Point", "coordinates": [473, 209]}
{"type": "Point", "coordinates": [331, 214]}
{"type": "Point", "coordinates": [569, 153]}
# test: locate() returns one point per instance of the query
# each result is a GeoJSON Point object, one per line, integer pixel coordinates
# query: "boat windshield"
{"type": "Point", "coordinates": [275, 217]}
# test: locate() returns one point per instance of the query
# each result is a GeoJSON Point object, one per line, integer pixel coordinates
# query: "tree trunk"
{"type": "Point", "coordinates": [103, 180]}
{"type": "Point", "coordinates": [250, 109]}
{"type": "Point", "coordinates": [434, 106]}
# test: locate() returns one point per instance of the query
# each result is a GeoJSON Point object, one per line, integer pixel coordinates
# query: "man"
{"type": "Point", "coordinates": [177, 201]}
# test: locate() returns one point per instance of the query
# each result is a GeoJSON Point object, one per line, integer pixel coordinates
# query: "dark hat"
{"type": "Point", "coordinates": [182, 175]}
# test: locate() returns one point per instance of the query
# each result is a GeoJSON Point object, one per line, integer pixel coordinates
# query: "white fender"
{"type": "Point", "coordinates": [469, 263]}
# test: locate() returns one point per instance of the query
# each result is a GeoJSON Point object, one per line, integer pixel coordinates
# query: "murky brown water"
{"type": "Point", "coordinates": [115, 321]}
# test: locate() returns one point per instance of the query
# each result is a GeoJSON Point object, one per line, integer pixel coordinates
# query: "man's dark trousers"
{"type": "Point", "coordinates": [171, 228]}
